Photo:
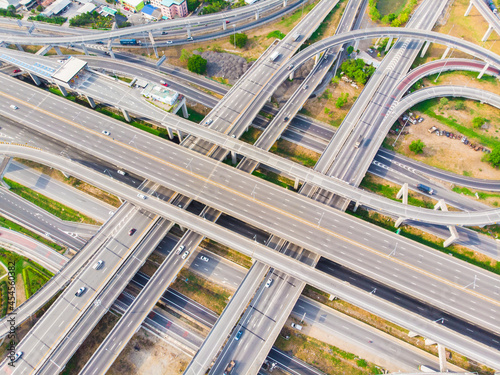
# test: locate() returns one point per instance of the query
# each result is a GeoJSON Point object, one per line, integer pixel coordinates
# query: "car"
{"type": "Point", "coordinates": [80, 291]}
{"type": "Point", "coordinates": [204, 258]}
{"type": "Point", "coordinates": [131, 231]}
{"type": "Point", "coordinates": [18, 355]}
{"type": "Point", "coordinates": [209, 121]}
{"type": "Point", "coordinates": [169, 42]}
{"type": "Point", "coordinates": [233, 135]}
{"type": "Point", "coordinates": [290, 67]}
{"type": "Point", "coordinates": [269, 282]}
{"type": "Point", "coordinates": [370, 50]}
{"type": "Point", "coordinates": [306, 87]}
{"type": "Point", "coordinates": [14, 106]}
{"type": "Point", "coordinates": [179, 249]}
{"type": "Point", "coordinates": [420, 119]}
{"type": "Point", "coordinates": [190, 38]}
{"type": "Point", "coordinates": [61, 61]}
{"type": "Point", "coordinates": [99, 265]}
{"type": "Point", "coordinates": [238, 335]}
{"type": "Point", "coordinates": [286, 118]}
{"type": "Point", "coordinates": [99, 42]}
{"type": "Point", "coordinates": [185, 255]}
{"type": "Point", "coordinates": [296, 326]}
{"type": "Point", "coordinates": [164, 83]}
{"type": "Point", "coordinates": [105, 132]}
{"type": "Point", "coordinates": [142, 196]}
{"type": "Point", "coordinates": [16, 71]}
{"type": "Point", "coordinates": [164, 33]}
{"type": "Point", "coordinates": [123, 173]}
{"type": "Point", "coordinates": [227, 21]}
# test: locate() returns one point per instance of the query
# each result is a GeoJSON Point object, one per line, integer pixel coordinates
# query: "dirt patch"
{"type": "Point", "coordinates": [20, 293]}
{"type": "Point", "coordinates": [225, 65]}
{"type": "Point", "coordinates": [295, 152]}
{"type": "Point", "coordinates": [147, 354]}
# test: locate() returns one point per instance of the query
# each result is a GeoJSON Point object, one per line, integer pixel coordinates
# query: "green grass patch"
{"type": "Point", "coordinates": [18, 228]}
{"type": "Point", "coordinates": [251, 135]}
{"type": "Point", "coordinates": [54, 19]}
{"type": "Point", "coordinates": [276, 34]}
{"type": "Point", "coordinates": [288, 150]}
{"type": "Point", "coordinates": [273, 177]}
{"type": "Point", "coordinates": [290, 20]}
{"type": "Point", "coordinates": [481, 194]}
{"type": "Point", "coordinates": [465, 255]}
{"type": "Point", "coordinates": [124, 79]}
{"type": "Point", "coordinates": [464, 73]}
{"type": "Point", "coordinates": [427, 107]}
{"type": "Point", "coordinates": [4, 295]}
{"type": "Point", "coordinates": [386, 7]}
{"type": "Point", "coordinates": [34, 279]}
{"type": "Point", "coordinates": [55, 208]}
{"type": "Point", "coordinates": [226, 252]}
{"type": "Point", "coordinates": [194, 116]}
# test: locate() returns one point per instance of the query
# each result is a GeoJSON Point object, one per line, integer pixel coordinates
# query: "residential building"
{"type": "Point", "coordinates": [171, 8]}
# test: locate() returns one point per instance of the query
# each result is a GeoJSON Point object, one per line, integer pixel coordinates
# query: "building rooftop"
{"type": "Point", "coordinates": [56, 7]}
{"type": "Point", "coordinates": [108, 11]}
{"type": "Point", "coordinates": [69, 69]}
{"type": "Point", "coordinates": [148, 9]}
{"type": "Point", "coordinates": [133, 3]}
{"type": "Point", "coordinates": [169, 3]}
{"type": "Point", "coordinates": [159, 92]}
{"type": "Point", "coordinates": [88, 7]}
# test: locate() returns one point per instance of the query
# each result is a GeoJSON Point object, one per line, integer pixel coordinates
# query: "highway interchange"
{"type": "Point", "coordinates": [319, 222]}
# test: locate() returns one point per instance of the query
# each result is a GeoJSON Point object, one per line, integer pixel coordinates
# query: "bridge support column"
{"type": "Point", "coordinates": [224, 25]}
{"type": "Point", "coordinates": [316, 58]}
{"type": "Point", "coordinates": [425, 48]}
{"type": "Point", "coordinates": [296, 183]}
{"type": "Point", "coordinates": [356, 206]}
{"type": "Point", "coordinates": [468, 9]}
{"type": "Point", "coordinates": [290, 76]}
{"type": "Point", "coordinates": [445, 53]}
{"type": "Point", "coordinates": [85, 50]}
{"type": "Point", "coordinates": [42, 51]}
{"type": "Point", "coordinates": [284, 3]}
{"type": "Point", "coordinates": [170, 133]}
{"type": "Point", "coordinates": [63, 90]}
{"type": "Point", "coordinates": [58, 50]}
{"type": "Point", "coordinates": [91, 101]}
{"type": "Point", "coordinates": [20, 47]}
{"type": "Point", "coordinates": [233, 157]}
{"type": "Point", "coordinates": [483, 71]}
{"type": "Point", "coordinates": [111, 54]}
{"type": "Point", "coordinates": [179, 135]}
{"type": "Point", "coordinates": [156, 52]}
{"type": "Point", "coordinates": [256, 15]}
{"type": "Point", "coordinates": [442, 356]}
{"type": "Point", "coordinates": [403, 192]}
{"type": "Point", "coordinates": [3, 167]}
{"type": "Point", "coordinates": [453, 237]}
{"type": "Point", "coordinates": [182, 105]}
{"type": "Point", "coordinates": [126, 115]}
{"type": "Point", "coordinates": [399, 221]}
{"type": "Point", "coordinates": [35, 79]}
{"type": "Point", "coordinates": [388, 44]}
{"type": "Point", "coordinates": [189, 33]}
{"type": "Point", "coordinates": [114, 26]}
{"type": "Point", "coordinates": [487, 33]}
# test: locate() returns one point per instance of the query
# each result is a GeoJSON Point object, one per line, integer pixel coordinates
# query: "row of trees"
{"type": "Point", "coordinates": [395, 20]}
{"type": "Point", "coordinates": [357, 70]}
{"type": "Point", "coordinates": [10, 12]}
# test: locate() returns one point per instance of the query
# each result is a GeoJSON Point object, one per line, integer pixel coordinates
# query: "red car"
{"type": "Point", "coordinates": [131, 231]}
{"type": "Point", "coordinates": [16, 71]}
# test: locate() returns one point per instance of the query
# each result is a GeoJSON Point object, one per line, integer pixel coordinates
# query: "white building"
{"type": "Point", "coordinates": [160, 93]}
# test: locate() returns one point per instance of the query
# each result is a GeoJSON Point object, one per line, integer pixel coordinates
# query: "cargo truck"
{"type": "Point", "coordinates": [229, 368]}
{"type": "Point", "coordinates": [274, 56]}
{"type": "Point", "coordinates": [425, 189]}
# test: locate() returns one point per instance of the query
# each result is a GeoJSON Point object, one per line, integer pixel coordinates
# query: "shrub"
{"type": "Point", "coordinates": [39, 8]}
{"type": "Point", "coordinates": [459, 105]}
{"type": "Point", "coordinates": [357, 70]}
{"type": "Point", "coordinates": [185, 55]}
{"type": "Point", "coordinates": [477, 122]}
{"type": "Point", "coordinates": [9, 12]}
{"type": "Point", "coordinates": [417, 146]}
{"type": "Point", "coordinates": [350, 50]}
{"type": "Point", "coordinates": [197, 64]}
{"type": "Point", "coordinates": [443, 102]}
{"type": "Point", "coordinates": [373, 11]}
{"type": "Point", "coordinates": [238, 39]}
{"type": "Point", "coordinates": [275, 34]}
{"type": "Point", "coordinates": [494, 157]}
{"type": "Point", "coordinates": [342, 100]}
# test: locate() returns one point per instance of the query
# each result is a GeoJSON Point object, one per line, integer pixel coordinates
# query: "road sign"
{"type": "Point", "coordinates": [162, 59]}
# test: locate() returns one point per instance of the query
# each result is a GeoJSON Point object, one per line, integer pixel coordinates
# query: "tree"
{"type": "Point", "coordinates": [477, 122]}
{"type": "Point", "coordinates": [443, 102]}
{"type": "Point", "coordinates": [197, 64]}
{"type": "Point", "coordinates": [39, 8]}
{"type": "Point", "coordinates": [185, 55]}
{"type": "Point", "coordinates": [417, 146]}
{"type": "Point", "coordinates": [350, 50]}
{"type": "Point", "coordinates": [342, 100]}
{"type": "Point", "coordinates": [241, 39]}
{"type": "Point", "coordinates": [494, 157]}
{"type": "Point", "coordinates": [459, 105]}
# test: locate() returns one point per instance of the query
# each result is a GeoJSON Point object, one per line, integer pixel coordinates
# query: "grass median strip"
{"type": "Point", "coordinates": [55, 208]}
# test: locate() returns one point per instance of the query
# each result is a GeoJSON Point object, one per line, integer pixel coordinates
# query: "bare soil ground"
{"type": "Point", "coordinates": [20, 294]}
{"type": "Point", "coordinates": [147, 354]}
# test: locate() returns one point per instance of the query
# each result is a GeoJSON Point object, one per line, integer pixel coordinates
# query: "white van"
{"type": "Point", "coordinates": [142, 196]}
{"type": "Point", "coordinates": [119, 171]}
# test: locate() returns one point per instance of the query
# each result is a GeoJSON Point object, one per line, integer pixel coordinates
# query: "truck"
{"type": "Point", "coordinates": [132, 42]}
{"type": "Point", "coordinates": [358, 141]}
{"type": "Point", "coordinates": [229, 368]}
{"type": "Point", "coordinates": [274, 56]}
{"type": "Point", "coordinates": [425, 189]}
{"type": "Point", "coordinates": [424, 368]}
{"type": "Point", "coordinates": [296, 37]}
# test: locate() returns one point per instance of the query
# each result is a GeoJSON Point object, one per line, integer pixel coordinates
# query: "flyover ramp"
{"type": "Point", "coordinates": [297, 269]}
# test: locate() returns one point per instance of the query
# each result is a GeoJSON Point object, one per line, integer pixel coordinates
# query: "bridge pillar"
{"type": "Point", "coordinates": [63, 90]}
{"type": "Point", "coordinates": [182, 105]}
{"type": "Point", "coordinates": [442, 356]}
{"type": "Point", "coordinates": [284, 3]}
{"type": "Point", "coordinates": [35, 79]}
{"type": "Point", "coordinates": [483, 71]}
{"type": "Point", "coordinates": [316, 58]}
{"type": "Point", "coordinates": [42, 51]}
{"type": "Point", "coordinates": [224, 25]}
{"type": "Point", "coordinates": [114, 26]}
{"type": "Point", "coordinates": [189, 33]}
{"type": "Point", "coordinates": [290, 76]}
{"type": "Point", "coordinates": [170, 133]}
{"type": "Point", "coordinates": [487, 33]}
{"type": "Point", "coordinates": [388, 44]}
{"type": "Point", "coordinates": [126, 115]}
{"type": "Point", "coordinates": [156, 52]}
{"type": "Point", "coordinates": [468, 9]}
{"type": "Point", "coordinates": [233, 157]}
{"type": "Point", "coordinates": [19, 47]}
{"type": "Point", "coordinates": [296, 183]}
{"type": "Point", "coordinates": [403, 192]}
{"type": "Point", "coordinates": [445, 53]}
{"type": "Point", "coordinates": [424, 49]}
{"type": "Point", "coordinates": [91, 101]}
{"type": "Point", "coordinates": [84, 48]}
{"type": "Point", "coordinates": [58, 50]}
{"type": "Point", "coordinates": [399, 221]}
{"type": "Point", "coordinates": [356, 206]}
{"type": "Point", "coordinates": [453, 237]}
{"type": "Point", "coordinates": [111, 54]}
{"type": "Point", "coordinates": [179, 135]}
{"type": "Point", "coordinates": [256, 15]}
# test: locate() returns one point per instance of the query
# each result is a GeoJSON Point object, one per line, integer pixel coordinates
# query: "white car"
{"type": "Point", "coordinates": [204, 258]}
{"type": "Point", "coordinates": [105, 132]}
{"type": "Point", "coordinates": [269, 282]}
{"type": "Point", "coordinates": [119, 171]}
{"type": "Point", "coordinates": [179, 250]}
{"type": "Point", "coordinates": [13, 106]}
{"type": "Point", "coordinates": [142, 196]}
{"type": "Point", "coordinates": [169, 42]}
{"type": "Point", "coordinates": [185, 255]}
{"type": "Point", "coordinates": [17, 356]}
{"type": "Point", "coordinates": [80, 291]}
{"type": "Point", "coordinates": [98, 265]}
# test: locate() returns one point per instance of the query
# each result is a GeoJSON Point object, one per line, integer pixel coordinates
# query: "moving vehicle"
{"type": "Point", "coordinates": [190, 38]}
{"type": "Point", "coordinates": [80, 291]}
{"type": "Point", "coordinates": [229, 368]}
{"type": "Point", "coordinates": [358, 141]}
{"type": "Point", "coordinates": [17, 356]}
{"type": "Point", "coordinates": [169, 42]}
{"type": "Point", "coordinates": [185, 255]}
{"type": "Point", "coordinates": [209, 121]}
{"type": "Point", "coordinates": [179, 249]}
{"type": "Point", "coordinates": [269, 282]}
{"type": "Point", "coordinates": [105, 132]}
{"type": "Point", "coordinates": [424, 368]}
{"type": "Point", "coordinates": [132, 42]}
{"type": "Point", "coordinates": [142, 196]}
{"type": "Point", "coordinates": [13, 106]}
{"type": "Point", "coordinates": [204, 258]}
{"type": "Point", "coordinates": [296, 37]}
{"type": "Point", "coordinates": [131, 231]}
{"type": "Point", "coordinates": [164, 33]}
{"type": "Point", "coordinates": [425, 189]}
{"type": "Point", "coordinates": [238, 335]}
{"type": "Point", "coordinates": [99, 265]}
{"type": "Point", "coordinates": [164, 83]}
{"type": "Point", "coordinates": [296, 326]}
{"type": "Point", "coordinates": [274, 56]}
{"type": "Point", "coordinates": [290, 67]}
{"type": "Point", "coordinates": [286, 118]}
{"type": "Point", "coordinates": [123, 173]}
{"type": "Point", "coordinates": [16, 71]}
